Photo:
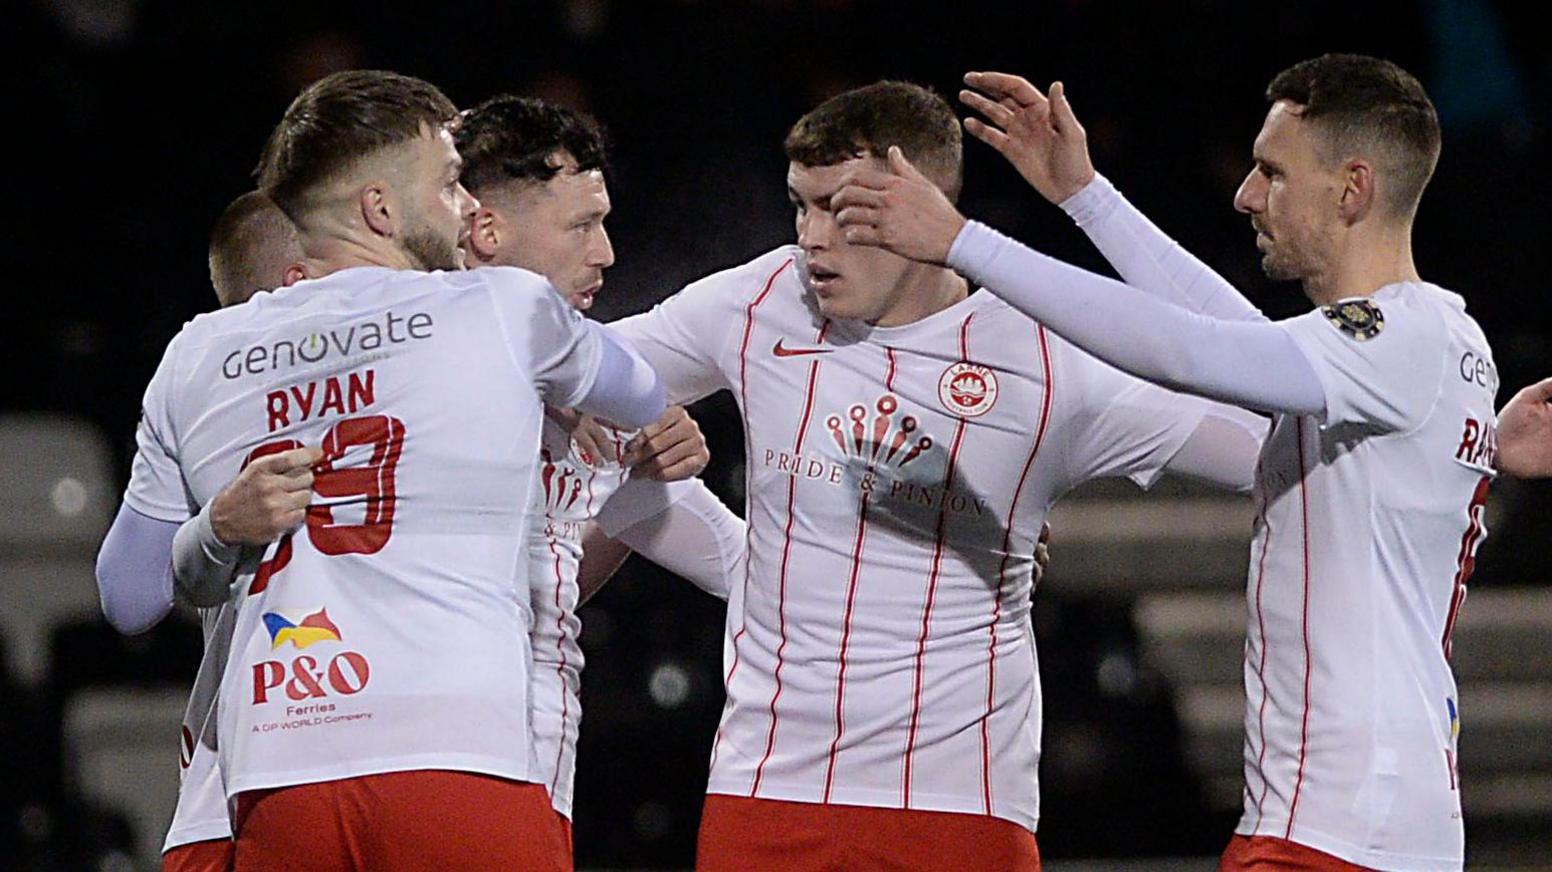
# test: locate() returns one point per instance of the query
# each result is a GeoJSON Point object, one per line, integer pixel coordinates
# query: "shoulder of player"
{"type": "Point", "coordinates": [504, 281]}
{"type": "Point", "coordinates": [752, 280]}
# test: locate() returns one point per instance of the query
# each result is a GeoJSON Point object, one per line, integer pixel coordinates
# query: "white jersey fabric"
{"type": "Point", "coordinates": [388, 633]}
{"type": "Point", "coordinates": [879, 649]}
{"type": "Point", "coordinates": [1367, 533]}
{"type": "Point", "coordinates": [201, 813]}
{"type": "Point", "coordinates": [571, 489]}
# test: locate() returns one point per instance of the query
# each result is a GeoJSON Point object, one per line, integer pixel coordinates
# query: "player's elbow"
{"type": "Point", "coordinates": [125, 613]}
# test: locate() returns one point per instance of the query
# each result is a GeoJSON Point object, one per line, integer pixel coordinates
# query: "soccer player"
{"type": "Point", "coordinates": [374, 709]}
{"type": "Point", "coordinates": [538, 172]}
{"type": "Point", "coordinates": [1372, 483]}
{"type": "Point", "coordinates": [905, 436]}
{"type": "Point", "coordinates": [253, 249]}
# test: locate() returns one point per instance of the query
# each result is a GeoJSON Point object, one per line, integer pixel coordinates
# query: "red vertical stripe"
{"type": "Point", "coordinates": [1266, 545]}
{"type": "Point", "coordinates": [840, 679]}
{"type": "Point", "coordinates": [932, 580]}
{"type": "Point", "coordinates": [786, 556]}
{"type": "Point", "coordinates": [1466, 561]}
{"type": "Point", "coordinates": [560, 668]}
{"type": "Point", "coordinates": [1007, 536]}
{"type": "Point", "coordinates": [1298, 784]}
{"type": "Point", "coordinates": [743, 394]}
{"type": "Point", "coordinates": [889, 378]}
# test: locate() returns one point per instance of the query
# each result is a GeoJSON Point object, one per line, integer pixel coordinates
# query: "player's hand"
{"type": "Point", "coordinates": [669, 450]}
{"type": "Point", "coordinates": [1042, 552]}
{"type": "Point", "coordinates": [595, 443]}
{"type": "Point", "coordinates": [268, 499]}
{"type": "Point", "coordinates": [1525, 433]}
{"type": "Point", "coordinates": [899, 210]}
{"type": "Point", "coordinates": [1038, 135]}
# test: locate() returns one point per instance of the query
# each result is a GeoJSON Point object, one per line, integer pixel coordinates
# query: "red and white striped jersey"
{"type": "Point", "coordinates": [571, 489]}
{"type": "Point", "coordinates": [879, 648]}
{"type": "Point", "coordinates": [387, 633]}
{"type": "Point", "coordinates": [1367, 532]}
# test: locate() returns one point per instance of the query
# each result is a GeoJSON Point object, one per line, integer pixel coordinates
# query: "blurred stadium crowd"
{"type": "Point", "coordinates": [136, 120]}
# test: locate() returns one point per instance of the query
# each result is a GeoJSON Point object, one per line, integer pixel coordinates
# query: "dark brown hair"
{"type": "Point", "coordinates": [339, 119]}
{"type": "Point", "coordinates": [249, 237]}
{"type": "Point", "coordinates": [868, 120]}
{"type": "Point", "coordinates": [1364, 103]}
{"type": "Point", "coordinates": [509, 138]}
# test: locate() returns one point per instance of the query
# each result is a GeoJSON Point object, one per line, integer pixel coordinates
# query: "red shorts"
{"type": "Point", "coordinates": [211, 855]}
{"type": "Point", "coordinates": [410, 821]}
{"type": "Point", "coordinates": [1271, 854]}
{"type": "Point", "coordinates": [740, 834]}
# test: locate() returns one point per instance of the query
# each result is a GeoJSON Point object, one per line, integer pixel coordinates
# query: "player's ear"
{"type": "Point", "coordinates": [293, 273]}
{"type": "Point", "coordinates": [1358, 194]}
{"type": "Point", "coordinates": [485, 230]}
{"type": "Point", "coordinates": [378, 209]}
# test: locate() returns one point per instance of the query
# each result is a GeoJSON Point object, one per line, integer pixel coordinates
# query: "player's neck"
{"type": "Point", "coordinates": [1366, 263]}
{"type": "Point", "coordinates": [336, 252]}
{"type": "Point", "coordinates": [923, 291]}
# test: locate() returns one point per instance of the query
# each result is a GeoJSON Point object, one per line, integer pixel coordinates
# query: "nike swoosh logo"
{"type": "Point", "coordinates": [781, 351]}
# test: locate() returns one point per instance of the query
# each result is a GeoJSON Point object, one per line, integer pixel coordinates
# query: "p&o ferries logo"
{"type": "Point", "coordinates": [968, 389]}
{"type": "Point", "coordinates": [307, 676]}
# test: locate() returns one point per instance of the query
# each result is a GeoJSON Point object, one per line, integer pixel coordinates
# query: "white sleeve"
{"type": "Point", "coordinates": [134, 571]}
{"type": "Point", "coordinates": [203, 567]}
{"type": "Point", "coordinates": [695, 536]}
{"type": "Point", "coordinates": [1253, 364]}
{"type": "Point", "coordinates": [1148, 259]}
{"type": "Point", "coordinates": [692, 338]}
{"type": "Point", "coordinates": [1223, 449]}
{"type": "Point", "coordinates": [1380, 364]}
{"type": "Point", "coordinates": [1124, 427]}
{"type": "Point", "coordinates": [156, 488]}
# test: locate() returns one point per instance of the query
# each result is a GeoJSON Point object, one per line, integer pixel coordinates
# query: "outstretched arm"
{"type": "Point", "coordinates": [1255, 365]}
{"type": "Point", "coordinates": [1041, 137]}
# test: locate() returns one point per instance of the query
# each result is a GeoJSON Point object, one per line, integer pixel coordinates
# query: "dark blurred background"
{"type": "Point", "coordinates": [136, 121]}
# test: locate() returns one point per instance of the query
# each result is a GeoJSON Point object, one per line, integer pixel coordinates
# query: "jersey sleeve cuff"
{"type": "Point", "coordinates": [1093, 202]}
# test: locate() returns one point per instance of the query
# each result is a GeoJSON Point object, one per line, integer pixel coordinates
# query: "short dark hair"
{"type": "Point", "coordinates": [1363, 102]}
{"type": "Point", "coordinates": [509, 138]}
{"type": "Point", "coordinates": [870, 119]}
{"type": "Point", "coordinates": [249, 243]}
{"type": "Point", "coordinates": [340, 119]}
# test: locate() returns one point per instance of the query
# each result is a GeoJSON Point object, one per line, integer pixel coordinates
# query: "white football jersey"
{"type": "Point", "coordinates": [388, 632]}
{"type": "Point", "coordinates": [1367, 532]}
{"type": "Point", "coordinates": [879, 649]}
{"type": "Point", "coordinates": [201, 812]}
{"type": "Point", "coordinates": [571, 489]}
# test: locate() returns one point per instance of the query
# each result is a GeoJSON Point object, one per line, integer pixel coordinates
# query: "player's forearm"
{"type": "Point", "coordinates": [626, 390]}
{"type": "Point", "coordinates": [602, 557]}
{"type": "Point", "coordinates": [202, 565]}
{"type": "Point", "coordinates": [698, 538]}
{"type": "Point", "coordinates": [134, 571]}
{"type": "Point", "coordinates": [1223, 449]}
{"type": "Point", "coordinates": [1254, 365]}
{"type": "Point", "coordinates": [1148, 259]}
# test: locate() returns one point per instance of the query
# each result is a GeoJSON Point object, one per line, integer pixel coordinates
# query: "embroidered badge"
{"type": "Point", "coordinates": [1360, 319]}
{"type": "Point", "coordinates": [967, 389]}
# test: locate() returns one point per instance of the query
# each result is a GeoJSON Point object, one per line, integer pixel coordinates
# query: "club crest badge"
{"type": "Point", "coordinates": [1360, 319]}
{"type": "Point", "coordinates": [968, 389]}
